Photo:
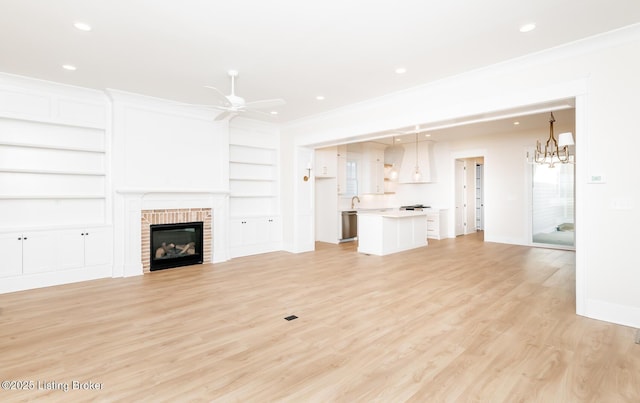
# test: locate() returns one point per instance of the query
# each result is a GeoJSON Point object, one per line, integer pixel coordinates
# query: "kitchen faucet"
{"type": "Point", "coordinates": [352, 201]}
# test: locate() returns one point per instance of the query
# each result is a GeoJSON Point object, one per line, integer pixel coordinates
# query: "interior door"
{"type": "Point", "coordinates": [460, 210]}
{"type": "Point", "coordinates": [479, 197]}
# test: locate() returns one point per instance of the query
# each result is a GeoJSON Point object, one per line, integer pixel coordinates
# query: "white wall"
{"type": "Point", "coordinates": [602, 74]}
{"type": "Point", "coordinates": [161, 145]}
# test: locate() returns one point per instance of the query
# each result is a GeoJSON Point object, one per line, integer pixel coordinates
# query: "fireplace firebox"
{"type": "Point", "coordinates": [175, 245]}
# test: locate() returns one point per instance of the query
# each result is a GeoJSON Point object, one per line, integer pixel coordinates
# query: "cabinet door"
{"type": "Point", "coordinates": [48, 251]}
{"type": "Point", "coordinates": [97, 246]}
{"type": "Point", "coordinates": [373, 171]}
{"type": "Point", "coordinates": [236, 231]}
{"type": "Point", "coordinates": [275, 230]}
{"type": "Point", "coordinates": [259, 231]}
{"type": "Point", "coordinates": [248, 231]}
{"type": "Point", "coordinates": [341, 173]}
{"type": "Point", "coordinates": [70, 249]}
{"type": "Point", "coordinates": [12, 256]}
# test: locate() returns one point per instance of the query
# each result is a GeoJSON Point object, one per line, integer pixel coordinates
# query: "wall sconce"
{"type": "Point", "coordinates": [308, 175]}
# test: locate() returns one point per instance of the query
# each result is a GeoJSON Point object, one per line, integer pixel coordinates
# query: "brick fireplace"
{"type": "Point", "coordinates": [173, 216]}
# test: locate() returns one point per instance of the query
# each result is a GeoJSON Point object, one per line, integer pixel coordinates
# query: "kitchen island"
{"type": "Point", "coordinates": [386, 231]}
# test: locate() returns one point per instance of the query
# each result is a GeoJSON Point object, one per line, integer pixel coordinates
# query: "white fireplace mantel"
{"type": "Point", "coordinates": [128, 206]}
{"type": "Point", "coordinates": [151, 191]}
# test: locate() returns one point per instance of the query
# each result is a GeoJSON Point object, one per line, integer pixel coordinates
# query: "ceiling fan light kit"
{"type": "Point", "coordinates": [231, 105]}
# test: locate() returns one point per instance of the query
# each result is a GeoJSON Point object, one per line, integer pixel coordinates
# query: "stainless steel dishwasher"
{"type": "Point", "coordinates": [349, 225]}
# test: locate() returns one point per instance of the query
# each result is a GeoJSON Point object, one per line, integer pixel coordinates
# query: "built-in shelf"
{"type": "Point", "coordinates": [251, 196]}
{"type": "Point", "coordinates": [170, 190]}
{"type": "Point", "coordinates": [50, 172]}
{"type": "Point", "coordinates": [266, 164]}
{"type": "Point", "coordinates": [51, 197]}
{"type": "Point", "coordinates": [51, 122]}
{"type": "Point", "coordinates": [251, 180]}
{"type": "Point", "coordinates": [53, 147]}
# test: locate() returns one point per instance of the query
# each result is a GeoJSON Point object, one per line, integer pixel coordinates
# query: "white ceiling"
{"type": "Point", "coordinates": [345, 50]}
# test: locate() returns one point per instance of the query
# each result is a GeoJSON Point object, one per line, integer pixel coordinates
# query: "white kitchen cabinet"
{"type": "Point", "coordinates": [372, 177]}
{"type": "Point", "coordinates": [326, 162]}
{"type": "Point", "coordinates": [341, 173]}
{"type": "Point", "coordinates": [253, 235]}
{"type": "Point", "coordinates": [437, 224]}
{"type": "Point", "coordinates": [425, 162]}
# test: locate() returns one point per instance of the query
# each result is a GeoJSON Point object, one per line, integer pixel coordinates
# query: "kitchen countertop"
{"type": "Point", "coordinates": [393, 213]}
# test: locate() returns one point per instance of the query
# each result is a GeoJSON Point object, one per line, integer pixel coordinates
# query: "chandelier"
{"type": "Point", "coordinates": [554, 150]}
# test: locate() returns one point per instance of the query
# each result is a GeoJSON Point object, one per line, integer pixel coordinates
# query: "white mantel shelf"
{"type": "Point", "coordinates": [171, 191]}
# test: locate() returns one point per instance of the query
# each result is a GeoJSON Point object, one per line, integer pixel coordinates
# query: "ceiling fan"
{"type": "Point", "coordinates": [232, 105]}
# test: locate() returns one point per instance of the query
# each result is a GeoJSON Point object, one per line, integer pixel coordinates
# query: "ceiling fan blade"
{"type": "Point", "coordinates": [256, 114]}
{"type": "Point", "coordinates": [221, 98]}
{"type": "Point", "coordinates": [224, 115]}
{"type": "Point", "coordinates": [265, 103]}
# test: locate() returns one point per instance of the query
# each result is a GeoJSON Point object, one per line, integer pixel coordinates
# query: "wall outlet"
{"type": "Point", "coordinates": [621, 204]}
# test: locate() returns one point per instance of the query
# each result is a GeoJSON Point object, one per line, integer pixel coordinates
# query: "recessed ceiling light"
{"type": "Point", "coordinates": [320, 98]}
{"type": "Point", "coordinates": [82, 26]}
{"type": "Point", "coordinates": [398, 139]}
{"type": "Point", "coordinates": [274, 112]}
{"type": "Point", "coordinates": [427, 135]}
{"type": "Point", "coordinates": [516, 123]}
{"type": "Point", "coordinates": [69, 67]}
{"type": "Point", "coordinates": [528, 27]}
{"type": "Point", "coordinates": [401, 70]}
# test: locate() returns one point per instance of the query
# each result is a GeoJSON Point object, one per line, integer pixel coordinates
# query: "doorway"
{"type": "Point", "coordinates": [469, 195]}
{"type": "Point", "coordinates": [553, 205]}
{"type": "Point", "coordinates": [480, 195]}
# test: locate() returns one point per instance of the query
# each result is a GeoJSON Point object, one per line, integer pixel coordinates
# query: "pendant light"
{"type": "Point", "coordinates": [417, 176]}
{"type": "Point", "coordinates": [395, 151]}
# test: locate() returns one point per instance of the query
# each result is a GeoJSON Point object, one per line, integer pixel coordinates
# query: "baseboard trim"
{"type": "Point", "coordinates": [620, 314]}
{"type": "Point", "coordinates": [40, 280]}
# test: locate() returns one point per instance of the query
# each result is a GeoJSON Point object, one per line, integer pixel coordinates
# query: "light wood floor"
{"type": "Point", "coordinates": [459, 320]}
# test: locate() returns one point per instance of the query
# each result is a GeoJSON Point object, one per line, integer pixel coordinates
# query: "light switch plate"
{"type": "Point", "coordinates": [596, 179]}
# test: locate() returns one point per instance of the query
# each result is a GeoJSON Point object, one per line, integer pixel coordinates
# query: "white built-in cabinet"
{"type": "Point", "coordinates": [372, 177]}
{"type": "Point", "coordinates": [254, 203]}
{"type": "Point", "coordinates": [326, 162]}
{"type": "Point", "coordinates": [252, 235]}
{"type": "Point", "coordinates": [54, 190]}
{"type": "Point", "coordinates": [54, 251]}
